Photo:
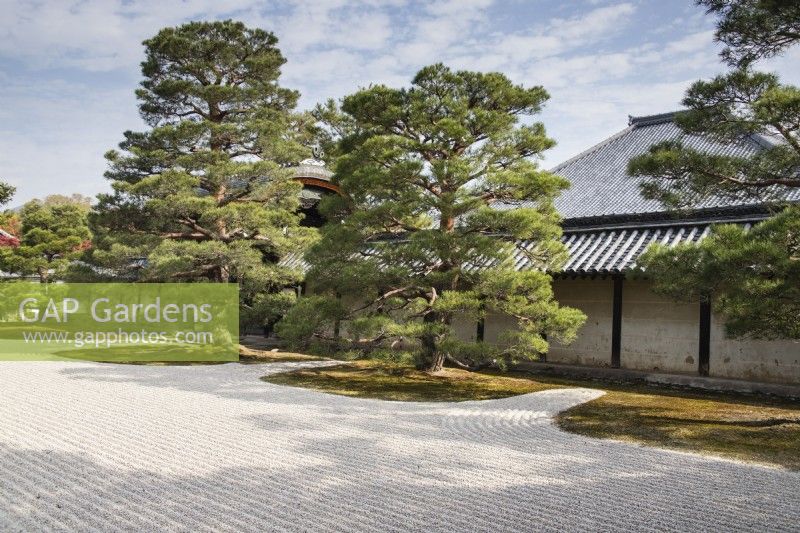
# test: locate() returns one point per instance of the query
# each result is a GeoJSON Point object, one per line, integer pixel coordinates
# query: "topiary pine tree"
{"type": "Point", "coordinates": [441, 189]}
{"type": "Point", "coordinates": [52, 236]}
{"type": "Point", "coordinates": [751, 277]}
{"type": "Point", "coordinates": [206, 193]}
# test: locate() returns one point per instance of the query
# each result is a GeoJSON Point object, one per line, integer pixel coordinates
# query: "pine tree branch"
{"type": "Point", "coordinates": [198, 228]}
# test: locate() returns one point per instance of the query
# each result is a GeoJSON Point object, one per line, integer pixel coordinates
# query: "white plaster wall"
{"type": "Point", "coordinates": [593, 345]}
{"type": "Point", "coordinates": [658, 334]}
{"type": "Point", "coordinates": [465, 328]}
{"type": "Point", "coordinates": [495, 325]}
{"type": "Point", "coordinates": [756, 360]}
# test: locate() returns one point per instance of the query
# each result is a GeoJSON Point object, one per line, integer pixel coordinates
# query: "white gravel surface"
{"type": "Point", "coordinates": [117, 447]}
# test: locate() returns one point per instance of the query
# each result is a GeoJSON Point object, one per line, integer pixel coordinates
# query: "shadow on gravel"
{"type": "Point", "coordinates": [49, 490]}
{"type": "Point", "coordinates": [210, 448]}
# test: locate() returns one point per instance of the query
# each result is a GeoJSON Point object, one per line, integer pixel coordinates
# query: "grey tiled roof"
{"type": "Point", "coordinates": [607, 251]}
{"type": "Point", "coordinates": [296, 261]}
{"type": "Point", "coordinates": [599, 250]}
{"type": "Point", "coordinates": [601, 185]}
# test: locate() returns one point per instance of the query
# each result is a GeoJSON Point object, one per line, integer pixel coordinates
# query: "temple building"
{"type": "Point", "coordinates": [608, 225]}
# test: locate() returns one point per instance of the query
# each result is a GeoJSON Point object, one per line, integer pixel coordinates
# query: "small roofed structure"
{"type": "Point", "coordinates": [316, 180]}
{"type": "Point", "coordinates": [8, 240]}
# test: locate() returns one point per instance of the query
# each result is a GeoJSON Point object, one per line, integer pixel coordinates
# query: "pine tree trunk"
{"type": "Point", "coordinates": [432, 357]}
{"type": "Point", "coordinates": [43, 274]}
{"type": "Point", "coordinates": [223, 274]}
{"type": "Point", "coordinates": [436, 362]}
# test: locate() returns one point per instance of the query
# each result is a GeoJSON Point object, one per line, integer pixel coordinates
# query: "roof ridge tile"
{"type": "Point", "coordinates": [650, 120]}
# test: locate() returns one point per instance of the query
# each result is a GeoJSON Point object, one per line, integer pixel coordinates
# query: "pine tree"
{"type": "Point", "coordinates": [206, 194]}
{"type": "Point", "coordinates": [728, 109]}
{"type": "Point", "coordinates": [754, 29]}
{"type": "Point", "coordinates": [441, 189]}
{"type": "Point", "coordinates": [752, 278]}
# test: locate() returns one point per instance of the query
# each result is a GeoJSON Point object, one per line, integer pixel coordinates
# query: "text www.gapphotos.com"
{"type": "Point", "coordinates": [106, 339]}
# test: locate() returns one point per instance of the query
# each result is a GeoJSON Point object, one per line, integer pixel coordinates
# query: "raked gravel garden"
{"type": "Point", "coordinates": [91, 446]}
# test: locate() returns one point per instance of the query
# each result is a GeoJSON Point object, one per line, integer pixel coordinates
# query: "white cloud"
{"type": "Point", "coordinates": [69, 67]}
{"type": "Point", "coordinates": [361, 25]}
{"type": "Point", "coordinates": [785, 65]}
{"type": "Point", "coordinates": [96, 35]}
{"type": "Point", "coordinates": [691, 43]}
{"type": "Point", "coordinates": [596, 23]}
{"type": "Point", "coordinates": [581, 116]}
{"type": "Point", "coordinates": [556, 72]}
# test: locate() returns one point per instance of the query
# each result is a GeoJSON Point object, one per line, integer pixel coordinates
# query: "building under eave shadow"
{"type": "Point", "coordinates": [608, 226]}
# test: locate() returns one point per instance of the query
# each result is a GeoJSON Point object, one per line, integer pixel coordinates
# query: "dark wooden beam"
{"type": "Point", "coordinates": [480, 327]}
{"type": "Point", "coordinates": [704, 351]}
{"type": "Point", "coordinates": [616, 322]}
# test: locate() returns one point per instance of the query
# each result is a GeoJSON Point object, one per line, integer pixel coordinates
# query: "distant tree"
{"type": "Point", "coordinates": [754, 29]}
{"type": "Point", "coordinates": [6, 193]}
{"type": "Point", "coordinates": [51, 237]}
{"type": "Point", "coordinates": [418, 238]}
{"type": "Point", "coordinates": [77, 199]}
{"type": "Point", "coordinates": [206, 193]}
{"type": "Point", "coordinates": [752, 277]}
{"type": "Point", "coordinates": [9, 221]}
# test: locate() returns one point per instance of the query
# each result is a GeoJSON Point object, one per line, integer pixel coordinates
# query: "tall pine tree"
{"type": "Point", "coordinates": [206, 193]}
{"type": "Point", "coordinates": [442, 187]}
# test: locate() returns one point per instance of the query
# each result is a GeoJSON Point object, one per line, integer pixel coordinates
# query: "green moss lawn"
{"type": "Point", "coordinates": [751, 428]}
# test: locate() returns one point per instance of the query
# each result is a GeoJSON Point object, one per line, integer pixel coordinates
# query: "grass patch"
{"type": "Point", "coordinates": [386, 381]}
{"type": "Point", "coordinates": [752, 428]}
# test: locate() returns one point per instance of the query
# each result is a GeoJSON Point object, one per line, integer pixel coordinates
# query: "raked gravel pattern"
{"type": "Point", "coordinates": [87, 446]}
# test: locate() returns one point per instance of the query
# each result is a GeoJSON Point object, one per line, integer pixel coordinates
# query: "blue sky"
{"type": "Point", "coordinates": [68, 69]}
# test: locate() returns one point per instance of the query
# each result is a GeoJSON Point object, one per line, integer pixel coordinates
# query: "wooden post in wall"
{"type": "Point", "coordinates": [616, 322]}
{"type": "Point", "coordinates": [704, 351]}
